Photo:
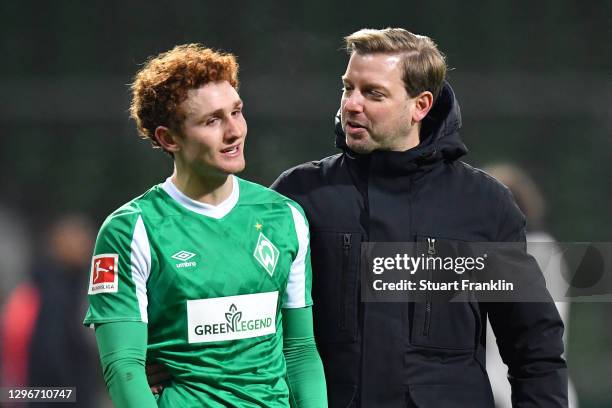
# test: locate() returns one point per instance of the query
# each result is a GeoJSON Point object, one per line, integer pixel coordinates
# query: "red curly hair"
{"type": "Point", "coordinates": [163, 82]}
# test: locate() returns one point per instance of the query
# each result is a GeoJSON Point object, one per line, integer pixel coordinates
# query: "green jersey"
{"type": "Point", "coordinates": [211, 282]}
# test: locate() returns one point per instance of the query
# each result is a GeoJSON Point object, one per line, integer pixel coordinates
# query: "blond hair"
{"type": "Point", "coordinates": [424, 65]}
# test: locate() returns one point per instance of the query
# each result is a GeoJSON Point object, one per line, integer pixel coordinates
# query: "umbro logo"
{"type": "Point", "coordinates": [184, 256]}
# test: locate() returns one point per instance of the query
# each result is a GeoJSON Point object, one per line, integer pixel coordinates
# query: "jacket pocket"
{"type": "Point", "coordinates": [436, 321]}
{"type": "Point", "coordinates": [335, 265]}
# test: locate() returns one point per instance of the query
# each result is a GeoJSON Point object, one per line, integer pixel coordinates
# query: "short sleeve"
{"type": "Point", "coordinates": [120, 267]}
{"type": "Point", "coordinates": [299, 284]}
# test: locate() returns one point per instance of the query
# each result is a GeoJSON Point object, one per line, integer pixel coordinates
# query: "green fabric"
{"type": "Point", "coordinates": [123, 349]}
{"type": "Point", "coordinates": [305, 375]}
{"type": "Point", "coordinates": [211, 283]}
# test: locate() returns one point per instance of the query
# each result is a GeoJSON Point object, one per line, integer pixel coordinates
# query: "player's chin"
{"type": "Point", "coordinates": [233, 166]}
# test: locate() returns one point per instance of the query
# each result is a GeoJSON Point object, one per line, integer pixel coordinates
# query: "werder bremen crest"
{"type": "Point", "coordinates": [266, 253]}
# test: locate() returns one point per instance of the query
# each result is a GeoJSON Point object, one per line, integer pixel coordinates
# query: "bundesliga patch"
{"type": "Point", "coordinates": [104, 274]}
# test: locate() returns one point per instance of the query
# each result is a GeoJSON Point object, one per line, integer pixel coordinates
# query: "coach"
{"type": "Point", "coordinates": [399, 179]}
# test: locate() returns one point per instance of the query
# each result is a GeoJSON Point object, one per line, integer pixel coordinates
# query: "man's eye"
{"type": "Point", "coordinates": [212, 121]}
{"type": "Point", "coordinates": [237, 112]}
{"type": "Point", "coordinates": [347, 88]}
{"type": "Point", "coordinates": [376, 94]}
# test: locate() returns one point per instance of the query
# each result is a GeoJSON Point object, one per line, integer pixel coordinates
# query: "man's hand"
{"type": "Point", "coordinates": [157, 375]}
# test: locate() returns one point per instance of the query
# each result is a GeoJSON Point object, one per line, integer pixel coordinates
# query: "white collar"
{"type": "Point", "coordinates": [214, 211]}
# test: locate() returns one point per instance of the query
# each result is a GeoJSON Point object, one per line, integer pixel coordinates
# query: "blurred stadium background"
{"type": "Point", "coordinates": [534, 80]}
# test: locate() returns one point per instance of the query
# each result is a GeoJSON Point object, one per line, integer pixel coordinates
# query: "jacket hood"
{"type": "Point", "coordinates": [439, 136]}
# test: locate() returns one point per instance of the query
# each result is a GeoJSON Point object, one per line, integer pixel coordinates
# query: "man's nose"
{"type": "Point", "coordinates": [354, 102]}
{"type": "Point", "coordinates": [234, 129]}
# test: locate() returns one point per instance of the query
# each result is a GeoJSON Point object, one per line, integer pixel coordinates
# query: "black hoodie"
{"type": "Point", "coordinates": [387, 354]}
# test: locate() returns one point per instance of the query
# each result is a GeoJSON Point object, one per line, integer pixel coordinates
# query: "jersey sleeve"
{"type": "Point", "coordinates": [305, 374]}
{"type": "Point", "coordinates": [120, 268]}
{"type": "Point", "coordinates": [123, 349]}
{"type": "Point", "coordinates": [299, 284]}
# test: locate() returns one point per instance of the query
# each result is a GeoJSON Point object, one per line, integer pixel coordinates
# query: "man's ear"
{"type": "Point", "coordinates": [423, 103]}
{"type": "Point", "coordinates": [167, 139]}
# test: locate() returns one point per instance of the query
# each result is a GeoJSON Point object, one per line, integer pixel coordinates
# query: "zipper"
{"type": "Point", "coordinates": [346, 252]}
{"type": "Point", "coordinates": [431, 246]}
{"type": "Point", "coordinates": [431, 251]}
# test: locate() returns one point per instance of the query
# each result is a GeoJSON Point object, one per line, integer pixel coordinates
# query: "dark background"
{"type": "Point", "coordinates": [534, 80]}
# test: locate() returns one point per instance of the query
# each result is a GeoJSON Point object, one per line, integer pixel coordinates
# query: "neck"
{"type": "Point", "coordinates": [413, 138]}
{"type": "Point", "coordinates": [411, 142]}
{"type": "Point", "coordinates": [213, 190]}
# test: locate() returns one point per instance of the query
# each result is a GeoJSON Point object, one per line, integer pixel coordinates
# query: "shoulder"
{"type": "Point", "coordinates": [285, 212]}
{"type": "Point", "coordinates": [256, 194]}
{"type": "Point", "coordinates": [126, 216]}
{"type": "Point", "coordinates": [305, 176]}
{"type": "Point", "coordinates": [481, 181]}
{"type": "Point", "coordinates": [499, 200]}
{"type": "Point", "coordinates": [312, 167]}
{"type": "Point", "coordinates": [253, 193]}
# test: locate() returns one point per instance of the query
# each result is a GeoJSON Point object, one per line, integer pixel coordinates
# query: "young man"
{"type": "Point", "coordinates": [205, 273]}
{"type": "Point", "coordinates": [399, 179]}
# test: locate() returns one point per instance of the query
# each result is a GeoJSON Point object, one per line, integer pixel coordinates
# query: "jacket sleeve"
{"type": "Point", "coordinates": [529, 334]}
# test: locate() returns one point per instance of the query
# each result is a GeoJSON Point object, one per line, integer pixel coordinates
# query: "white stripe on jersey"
{"type": "Point", "coordinates": [141, 266]}
{"type": "Point", "coordinates": [295, 295]}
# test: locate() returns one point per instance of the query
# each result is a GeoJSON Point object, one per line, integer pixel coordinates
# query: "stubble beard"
{"type": "Point", "coordinates": [361, 146]}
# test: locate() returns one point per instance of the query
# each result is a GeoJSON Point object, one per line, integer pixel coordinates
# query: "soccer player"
{"type": "Point", "coordinates": [206, 273]}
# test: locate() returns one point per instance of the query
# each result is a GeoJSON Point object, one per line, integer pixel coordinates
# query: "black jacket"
{"type": "Point", "coordinates": [379, 355]}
